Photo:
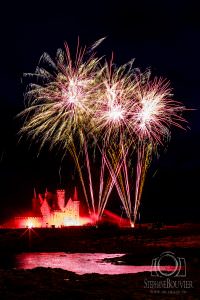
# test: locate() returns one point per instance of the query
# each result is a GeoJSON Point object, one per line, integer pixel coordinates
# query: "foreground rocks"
{"type": "Point", "coordinates": [43, 284]}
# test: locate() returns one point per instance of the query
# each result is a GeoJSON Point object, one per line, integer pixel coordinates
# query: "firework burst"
{"type": "Point", "coordinates": [60, 106]}
{"type": "Point", "coordinates": [156, 111]}
{"type": "Point", "coordinates": [60, 103]}
{"type": "Point", "coordinates": [113, 103]}
{"type": "Point", "coordinates": [121, 110]}
{"type": "Point", "coordinates": [153, 116]}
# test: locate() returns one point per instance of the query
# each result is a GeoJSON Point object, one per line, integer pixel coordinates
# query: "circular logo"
{"type": "Point", "coordinates": [167, 259]}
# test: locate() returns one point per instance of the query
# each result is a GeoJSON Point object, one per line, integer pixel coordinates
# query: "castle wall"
{"type": "Point", "coordinates": [24, 222]}
{"type": "Point", "coordinates": [61, 199]}
{"type": "Point", "coordinates": [65, 215]}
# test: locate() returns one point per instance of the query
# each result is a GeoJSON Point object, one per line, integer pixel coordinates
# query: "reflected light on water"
{"type": "Point", "coordinates": [80, 263]}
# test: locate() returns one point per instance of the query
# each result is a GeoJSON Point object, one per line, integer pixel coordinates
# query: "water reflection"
{"type": "Point", "coordinates": [80, 263]}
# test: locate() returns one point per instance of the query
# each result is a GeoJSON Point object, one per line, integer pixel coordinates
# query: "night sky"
{"type": "Point", "coordinates": [163, 35]}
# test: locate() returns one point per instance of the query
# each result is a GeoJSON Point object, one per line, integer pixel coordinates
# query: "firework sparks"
{"type": "Point", "coordinates": [156, 112]}
{"type": "Point", "coordinates": [152, 117]}
{"type": "Point", "coordinates": [61, 107]}
{"type": "Point", "coordinates": [121, 109]}
{"type": "Point", "coordinates": [60, 104]}
{"type": "Point", "coordinates": [114, 103]}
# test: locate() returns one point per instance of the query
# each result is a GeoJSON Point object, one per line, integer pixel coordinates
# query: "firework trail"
{"type": "Point", "coordinates": [133, 112]}
{"type": "Point", "coordinates": [153, 117]}
{"type": "Point", "coordinates": [144, 155]}
{"type": "Point", "coordinates": [112, 129]}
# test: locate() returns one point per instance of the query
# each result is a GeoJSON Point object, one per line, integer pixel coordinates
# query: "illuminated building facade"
{"type": "Point", "coordinates": [50, 210]}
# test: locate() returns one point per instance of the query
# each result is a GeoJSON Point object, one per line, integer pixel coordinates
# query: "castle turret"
{"type": "Point", "coordinates": [35, 203]}
{"type": "Point", "coordinates": [61, 199]}
{"type": "Point", "coordinates": [75, 197]}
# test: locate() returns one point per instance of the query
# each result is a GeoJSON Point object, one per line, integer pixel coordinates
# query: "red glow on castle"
{"type": "Point", "coordinates": [51, 210]}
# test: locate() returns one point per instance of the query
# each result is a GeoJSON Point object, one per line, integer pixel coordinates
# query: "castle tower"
{"type": "Point", "coordinates": [45, 209]}
{"type": "Point", "coordinates": [61, 199]}
{"type": "Point", "coordinates": [35, 203]}
{"type": "Point", "coordinates": [46, 193]}
{"type": "Point", "coordinates": [75, 197]}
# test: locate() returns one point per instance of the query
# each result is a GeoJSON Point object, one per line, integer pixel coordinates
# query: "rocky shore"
{"type": "Point", "coordinates": [140, 247]}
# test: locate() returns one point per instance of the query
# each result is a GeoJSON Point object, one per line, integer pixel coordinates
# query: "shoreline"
{"type": "Point", "coordinates": [138, 246]}
{"type": "Point", "coordinates": [104, 240]}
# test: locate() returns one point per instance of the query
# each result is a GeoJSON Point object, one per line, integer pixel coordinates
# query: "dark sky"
{"type": "Point", "coordinates": [163, 35]}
